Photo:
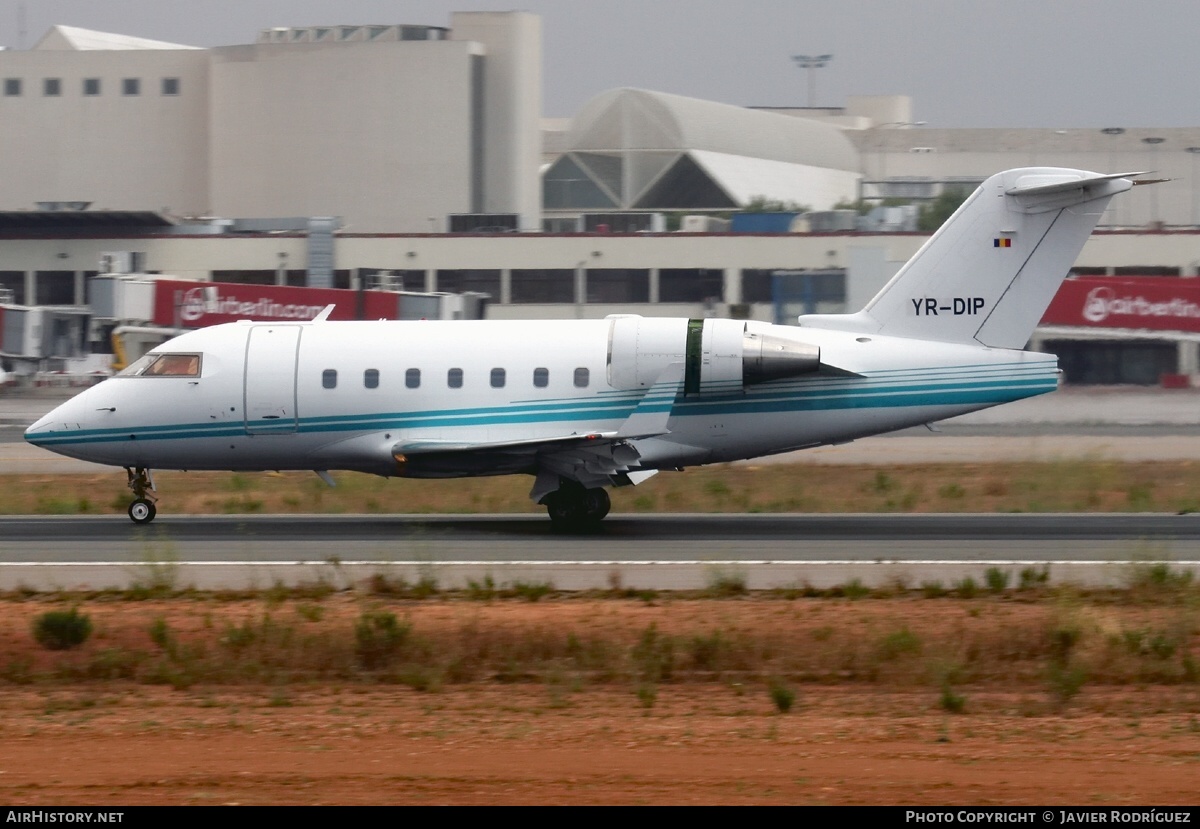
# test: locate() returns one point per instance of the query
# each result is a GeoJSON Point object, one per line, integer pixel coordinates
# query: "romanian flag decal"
{"type": "Point", "coordinates": [1002, 242]}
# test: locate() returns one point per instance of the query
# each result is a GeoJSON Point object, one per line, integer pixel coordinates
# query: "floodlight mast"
{"type": "Point", "coordinates": [811, 63]}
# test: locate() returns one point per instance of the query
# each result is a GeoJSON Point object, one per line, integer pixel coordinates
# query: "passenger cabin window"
{"type": "Point", "coordinates": [329, 378]}
{"type": "Point", "coordinates": [454, 378]}
{"type": "Point", "coordinates": [581, 378]}
{"type": "Point", "coordinates": [170, 86]}
{"type": "Point", "coordinates": [52, 87]}
{"type": "Point", "coordinates": [164, 365]}
{"type": "Point", "coordinates": [497, 378]}
{"type": "Point", "coordinates": [412, 378]}
{"type": "Point", "coordinates": [371, 378]}
{"type": "Point", "coordinates": [131, 86]}
{"type": "Point", "coordinates": [541, 377]}
{"type": "Point", "coordinates": [12, 87]}
{"type": "Point", "coordinates": [91, 86]}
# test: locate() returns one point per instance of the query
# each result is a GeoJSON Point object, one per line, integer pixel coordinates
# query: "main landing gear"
{"type": "Point", "coordinates": [572, 508]}
{"type": "Point", "coordinates": [142, 510]}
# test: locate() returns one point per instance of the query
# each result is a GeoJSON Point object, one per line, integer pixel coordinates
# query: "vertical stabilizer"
{"type": "Point", "coordinates": [988, 274]}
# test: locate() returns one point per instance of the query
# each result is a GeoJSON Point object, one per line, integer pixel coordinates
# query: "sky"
{"type": "Point", "coordinates": [965, 63]}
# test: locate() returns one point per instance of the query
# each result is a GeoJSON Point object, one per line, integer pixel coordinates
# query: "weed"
{"type": "Point", "coordinates": [725, 582]}
{"type": "Point", "coordinates": [1064, 677]}
{"type": "Point", "coordinates": [114, 663]}
{"type": "Point", "coordinates": [716, 487]}
{"type": "Point", "coordinates": [1031, 577]}
{"type": "Point", "coordinates": [1158, 576]}
{"type": "Point", "coordinates": [707, 651]}
{"type": "Point", "coordinates": [950, 700]}
{"type": "Point", "coordinates": [310, 612]}
{"type": "Point", "coordinates": [377, 637]}
{"type": "Point", "coordinates": [647, 694]}
{"type": "Point", "coordinates": [160, 634]}
{"type": "Point", "coordinates": [18, 671]}
{"type": "Point", "coordinates": [933, 589]}
{"type": "Point", "coordinates": [900, 643]}
{"type": "Point", "coordinates": [482, 591]}
{"type": "Point", "coordinates": [967, 588]}
{"type": "Point", "coordinates": [239, 637]}
{"type": "Point", "coordinates": [59, 630]}
{"type": "Point", "coordinates": [823, 633]}
{"type": "Point", "coordinates": [782, 694]}
{"type": "Point", "coordinates": [158, 572]}
{"type": "Point", "coordinates": [279, 699]}
{"type": "Point", "coordinates": [854, 589]}
{"type": "Point", "coordinates": [952, 492]}
{"type": "Point", "coordinates": [883, 482]}
{"type": "Point", "coordinates": [380, 584]}
{"type": "Point", "coordinates": [532, 591]}
{"type": "Point", "coordinates": [996, 579]}
{"type": "Point", "coordinates": [654, 656]}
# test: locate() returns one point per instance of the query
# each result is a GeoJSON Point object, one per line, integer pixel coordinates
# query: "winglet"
{"type": "Point", "coordinates": [650, 416]}
{"type": "Point", "coordinates": [324, 315]}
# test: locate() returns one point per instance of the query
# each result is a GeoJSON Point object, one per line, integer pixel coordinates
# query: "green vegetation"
{"type": "Point", "coordinates": [1051, 486]}
{"type": "Point", "coordinates": [782, 694]}
{"type": "Point", "coordinates": [60, 630]}
{"type": "Point", "coordinates": [1050, 644]}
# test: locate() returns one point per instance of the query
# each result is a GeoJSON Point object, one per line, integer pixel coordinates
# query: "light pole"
{"type": "Point", "coordinates": [1194, 151]}
{"type": "Point", "coordinates": [877, 142]}
{"type": "Point", "coordinates": [1153, 143]}
{"type": "Point", "coordinates": [812, 63]}
{"type": "Point", "coordinates": [1113, 132]}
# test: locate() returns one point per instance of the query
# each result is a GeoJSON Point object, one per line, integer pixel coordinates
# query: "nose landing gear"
{"type": "Point", "coordinates": [141, 482]}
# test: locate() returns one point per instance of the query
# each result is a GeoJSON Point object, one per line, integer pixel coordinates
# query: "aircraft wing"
{"type": "Point", "coordinates": [648, 419]}
{"type": "Point", "coordinates": [589, 458]}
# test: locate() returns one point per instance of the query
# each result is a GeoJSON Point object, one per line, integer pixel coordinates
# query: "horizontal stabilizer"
{"type": "Point", "coordinates": [1042, 184]}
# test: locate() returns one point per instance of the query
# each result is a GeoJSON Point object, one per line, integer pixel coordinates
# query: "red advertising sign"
{"type": "Point", "coordinates": [198, 304]}
{"type": "Point", "coordinates": [1144, 302]}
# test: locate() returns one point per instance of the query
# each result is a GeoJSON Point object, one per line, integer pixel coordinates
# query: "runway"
{"type": "Point", "coordinates": [654, 551]}
{"type": "Point", "coordinates": [661, 552]}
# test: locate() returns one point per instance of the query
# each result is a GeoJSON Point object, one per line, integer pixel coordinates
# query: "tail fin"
{"type": "Point", "coordinates": [988, 274]}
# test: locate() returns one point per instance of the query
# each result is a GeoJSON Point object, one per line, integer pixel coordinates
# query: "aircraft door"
{"type": "Point", "coordinates": [270, 390]}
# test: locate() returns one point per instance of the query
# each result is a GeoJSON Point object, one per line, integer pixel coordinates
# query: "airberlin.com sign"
{"type": "Point", "coordinates": [197, 304]}
{"type": "Point", "coordinates": [1147, 302]}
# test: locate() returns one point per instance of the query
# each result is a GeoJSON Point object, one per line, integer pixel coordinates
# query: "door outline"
{"type": "Point", "coordinates": [269, 396]}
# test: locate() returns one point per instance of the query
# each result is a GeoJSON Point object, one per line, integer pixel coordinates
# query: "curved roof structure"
{"type": "Point", "coordinates": [637, 119]}
{"type": "Point", "coordinates": [68, 38]}
{"type": "Point", "coordinates": [636, 149]}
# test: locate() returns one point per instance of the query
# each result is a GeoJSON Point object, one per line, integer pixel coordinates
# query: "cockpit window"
{"type": "Point", "coordinates": [164, 365]}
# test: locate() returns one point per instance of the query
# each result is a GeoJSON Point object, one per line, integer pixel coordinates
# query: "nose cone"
{"type": "Point", "coordinates": [60, 430]}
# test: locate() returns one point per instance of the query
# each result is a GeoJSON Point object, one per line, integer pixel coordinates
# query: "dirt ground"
{"type": "Point", "coordinates": [715, 740]}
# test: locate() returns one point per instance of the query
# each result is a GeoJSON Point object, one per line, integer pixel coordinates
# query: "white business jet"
{"type": "Point", "coordinates": [582, 405]}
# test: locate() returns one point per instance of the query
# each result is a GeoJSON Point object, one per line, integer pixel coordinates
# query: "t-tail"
{"type": "Point", "coordinates": [988, 274]}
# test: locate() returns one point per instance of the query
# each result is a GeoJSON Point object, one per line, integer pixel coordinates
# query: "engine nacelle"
{"type": "Point", "coordinates": [720, 356]}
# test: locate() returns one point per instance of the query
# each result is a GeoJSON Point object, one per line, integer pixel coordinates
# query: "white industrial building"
{"type": "Point", "coordinates": [330, 156]}
{"type": "Point", "coordinates": [390, 128]}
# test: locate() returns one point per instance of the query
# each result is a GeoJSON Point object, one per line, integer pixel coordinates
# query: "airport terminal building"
{"type": "Point", "coordinates": [415, 158]}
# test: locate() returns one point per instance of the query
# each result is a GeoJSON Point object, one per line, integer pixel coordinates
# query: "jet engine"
{"type": "Point", "coordinates": [720, 356]}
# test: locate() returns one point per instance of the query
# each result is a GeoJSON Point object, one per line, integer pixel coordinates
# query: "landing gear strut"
{"type": "Point", "coordinates": [142, 510]}
{"type": "Point", "coordinates": [573, 508]}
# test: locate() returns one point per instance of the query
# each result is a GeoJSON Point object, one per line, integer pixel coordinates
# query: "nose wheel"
{"type": "Point", "coordinates": [141, 482]}
{"type": "Point", "coordinates": [142, 511]}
